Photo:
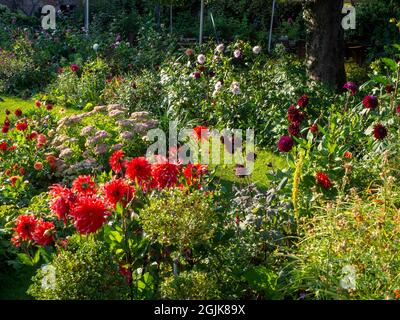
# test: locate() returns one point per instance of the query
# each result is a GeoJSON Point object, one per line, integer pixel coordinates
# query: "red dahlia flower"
{"type": "Point", "coordinates": [285, 144]}
{"type": "Point", "coordinates": [139, 169]}
{"type": "Point", "coordinates": [18, 112]}
{"type": "Point", "coordinates": [380, 132]}
{"type": "Point", "coordinates": [295, 115]}
{"type": "Point", "coordinates": [303, 101]}
{"type": "Point", "coordinates": [25, 226]}
{"type": "Point", "coordinates": [398, 109]}
{"type": "Point", "coordinates": [294, 129]}
{"type": "Point", "coordinates": [117, 161]}
{"type": "Point", "coordinates": [370, 102]}
{"type": "Point", "coordinates": [3, 146]}
{"type": "Point", "coordinates": [84, 185]}
{"type": "Point", "coordinates": [38, 103]}
{"type": "Point", "coordinates": [89, 214]}
{"type": "Point", "coordinates": [352, 87]}
{"type": "Point", "coordinates": [348, 155]}
{"type": "Point", "coordinates": [22, 126]}
{"type": "Point", "coordinates": [74, 67]}
{"type": "Point", "coordinates": [193, 171]}
{"type": "Point", "coordinates": [165, 175]}
{"type": "Point", "coordinates": [44, 233]}
{"type": "Point", "coordinates": [314, 128]}
{"type": "Point", "coordinates": [323, 180]}
{"type": "Point", "coordinates": [201, 133]}
{"type": "Point", "coordinates": [61, 202]}
{"type": "Point", "coordinates": [118, 191]}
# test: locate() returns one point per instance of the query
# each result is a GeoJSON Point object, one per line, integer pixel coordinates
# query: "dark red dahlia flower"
{"type": "Point", "coordinates": [294, 129]}
{"type": "Point", "coordinates": [370, 102]}
{"type": "Point", "coordinates": [380, 132]}
{"type": "Point", "coordinates": [285, 144]}
{"type": "Point", "coordinates": [303, 101]}
{"type": "Point", "coordinates": [398, 109]}
{"type": "Point", "coordinates": [314, 128]}
{"type": "Point", "coordinates": [295, 115]}
{"type": "Point", "coordinates": [84, 185]}
{"type": "Point", "coordinates": [351, 86]}
{"type": "Point", "coordinates": [323, 180]}
{"type": "Point", "coordinates": [89, 214]}
{"type": "Point", "coordinates": [18, 112]}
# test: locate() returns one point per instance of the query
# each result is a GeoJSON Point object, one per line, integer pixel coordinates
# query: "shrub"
{"type": "Point", "coordinates": [84, 271]}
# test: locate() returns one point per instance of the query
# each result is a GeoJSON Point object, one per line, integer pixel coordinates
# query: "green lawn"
{"type": "Point", "coordinates": [227, 177]}
{"type": "Point", "coordinates": [11, 103]}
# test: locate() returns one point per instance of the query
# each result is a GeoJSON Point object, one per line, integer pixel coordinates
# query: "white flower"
{"type": "Point", "coordinates": [256, 49]}
{"type": "Point", "coordinates": [220, 48]}
{"type": "Point", "coordinates": [218, 86]}
{"type": "Point", "coordinates": [96, 47]}
{"type": "Point", "coordinates": [237, 53]}
{"type": "Point", "coordinates": [235, 87]}
{"type": "Point", "coordinates": [201, 58]}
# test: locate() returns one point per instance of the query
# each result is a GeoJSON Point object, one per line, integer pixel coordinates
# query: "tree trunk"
{"type": "Point", "coordinates": [325, 44]}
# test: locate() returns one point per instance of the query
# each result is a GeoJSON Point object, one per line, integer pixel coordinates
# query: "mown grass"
{"type": "Point", "coordinates": [26, 105]}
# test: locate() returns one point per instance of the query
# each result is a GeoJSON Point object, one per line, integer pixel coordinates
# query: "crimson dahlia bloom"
{"type": "Point", "coordinates": [398, 109]}
{"type": "Point", "coordinates": [294, 129]}
{"type": "Point", "coordinates": [22, 126]}
{"type": "Point", "coordinates": [303, 101]}
{"type": "Point", "coordinates": [323, 180]}
{"type": "Point", "coordinates": [3, 146]}
{"type": "Point", "coordinates": [380, 132]}
{"type": "Point", "coordinates": [198, 132]}
{"type": "Point", "coordinates": [352, 87]}
{"type": "Point", "coordinates": [389, 88]}
{"type": "Point", "coordinates": [295, 115]}
{"type": "Point", "coordinates": [370, 102]}
{"type": "Point", "coordinates": [84, 185]}
{"type": "Point", "coordinates": [165, 175]}
{"type": "Point", "coordinates": [43, 234]}
{"type": "Point", "coordinates": [314, 128]}
{"type": "Point", "coordinates": [139, 169]}
{"type": "Point", "coordinates": [117, 161]}
{"type": "Point", "coordinates": [18, 112]}
{"type": "Point", "coordinates": [118, 191]}
{"type": "Point", "coordinates": [285, 144]}
{"type": "Point", "coordinates": [74, 67]}
{"type": "Point", "coordinates": [89, 214]}
{"type": "Point", "coordinates": [25, 226]}
{"type": "Point", "coordinates": [61, 202]}
{"type": "Point", "coordinates": [193, 172]}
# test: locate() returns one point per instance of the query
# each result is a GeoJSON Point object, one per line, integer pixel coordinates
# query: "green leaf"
{"type": "Point", "coordinates": [390, 63]}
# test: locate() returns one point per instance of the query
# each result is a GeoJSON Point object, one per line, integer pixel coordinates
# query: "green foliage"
{"type": "Point", "coordinates": [194, 285]}
{"type": "Point", "coordinates": [84, 271]}
{"type": "Point", "coordinates": [179, 218]}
